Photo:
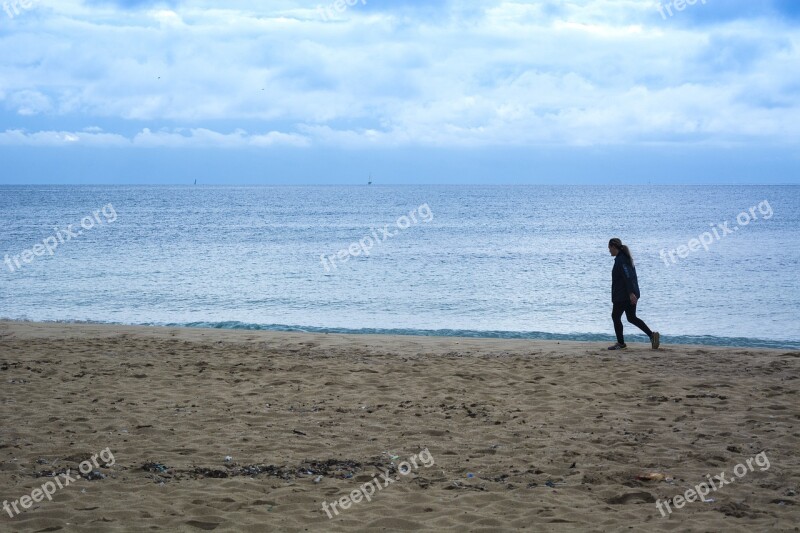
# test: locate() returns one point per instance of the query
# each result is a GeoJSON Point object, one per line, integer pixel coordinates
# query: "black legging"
{"type": "Point", "coordinates": [630, 313]}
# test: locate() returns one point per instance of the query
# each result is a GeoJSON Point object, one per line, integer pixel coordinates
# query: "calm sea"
{"type": "Point", "coordinates": [493, 261]}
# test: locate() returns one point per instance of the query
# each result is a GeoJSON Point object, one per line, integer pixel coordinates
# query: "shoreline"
{"type": "Point", "coordinates": [529, 336]}
{"type": "Point", "coordinates": [245, 430]}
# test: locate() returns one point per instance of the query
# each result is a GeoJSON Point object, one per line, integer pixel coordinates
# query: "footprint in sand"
{"type": "Point", "coordinates": [632, 497]}
{"type": "Point", "coordinates": [208, 526]}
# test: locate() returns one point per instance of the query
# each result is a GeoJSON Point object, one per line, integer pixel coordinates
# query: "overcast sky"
{"type": "Point", "coordinates": [436, 91]}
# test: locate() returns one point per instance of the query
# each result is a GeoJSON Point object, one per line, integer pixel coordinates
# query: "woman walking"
{"type": "Point", "coordinates": [625, 294]}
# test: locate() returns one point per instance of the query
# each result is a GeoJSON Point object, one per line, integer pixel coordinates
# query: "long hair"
{"type": "Point", "coordinates": [617, 243]}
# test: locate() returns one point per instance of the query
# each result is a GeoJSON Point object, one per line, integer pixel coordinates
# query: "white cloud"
{"type": "Point", "coordinates": [60, 138]}
{"type": "Point", "coordinates": [29, 102]}
{"type": "Point", "coordinates": [200, 137]}
{"type": "Point", "coordinates": [167, 18]}
{"type": "Point", "coordinates": [193, 138]}
{"type": "Point", "coordinates": [509, 73]}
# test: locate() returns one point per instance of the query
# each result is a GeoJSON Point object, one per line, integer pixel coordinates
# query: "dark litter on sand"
{"type": "Point", "coordinates": [52, 473]}
{"type": "Point", "coordinates": [330, 468]}
{"type": "Point", "coordinates": [68, 471]}
{"type": "Point", "coordinates": [156, 468]}
{"type": "Point", "coordinates": [94, 475]}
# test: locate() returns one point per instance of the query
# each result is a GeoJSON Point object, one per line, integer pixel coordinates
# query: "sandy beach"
{"type": "Point", "coordinates": [255, 431]}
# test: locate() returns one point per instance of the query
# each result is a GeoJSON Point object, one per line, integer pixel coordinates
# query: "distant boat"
{"type": "Point", "coordinates": [370, 180]}
{"type": "Point", "coordinates": [195, 182]}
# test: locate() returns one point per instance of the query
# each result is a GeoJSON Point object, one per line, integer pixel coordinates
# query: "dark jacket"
{"type": "Point", "coordinates": [623, 280]}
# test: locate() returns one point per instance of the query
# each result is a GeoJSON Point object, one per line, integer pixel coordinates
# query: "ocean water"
{"type": "Point", "coordinates": [493, 261]}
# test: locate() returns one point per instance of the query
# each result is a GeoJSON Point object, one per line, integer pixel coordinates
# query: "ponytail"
{"type": "Point", "coordinates": [627, 251]}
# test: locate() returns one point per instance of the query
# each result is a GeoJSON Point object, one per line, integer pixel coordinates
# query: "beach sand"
{"type": "Point", "coordinates": [543, 436]}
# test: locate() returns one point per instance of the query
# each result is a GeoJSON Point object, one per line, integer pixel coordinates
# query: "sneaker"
{"type": "Point", "coordinates": [655, 340]}
{"type": "Point", "coordinates": [618, 346]}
